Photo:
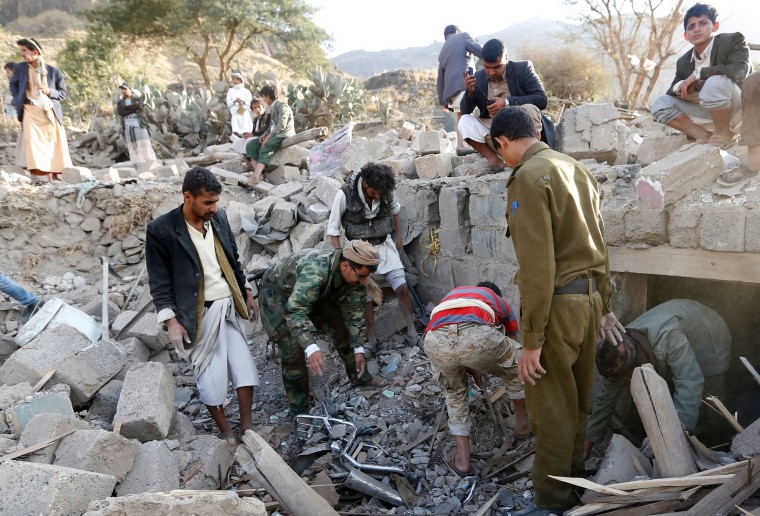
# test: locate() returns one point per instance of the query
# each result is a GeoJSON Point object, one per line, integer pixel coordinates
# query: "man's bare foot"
{"type": "Point", "coordinates": [254, 179]}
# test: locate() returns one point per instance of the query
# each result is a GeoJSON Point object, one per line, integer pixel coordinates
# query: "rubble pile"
{"type": "Point", "coordinates": [95, 415]}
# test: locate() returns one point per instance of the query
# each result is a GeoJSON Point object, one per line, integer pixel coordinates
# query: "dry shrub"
{"type": "Point", "coordinates": [24, 209]}
{"type": "Point", "coordinates": [134, 212]}
{"type": "Point", "coordinates": [30, 261]}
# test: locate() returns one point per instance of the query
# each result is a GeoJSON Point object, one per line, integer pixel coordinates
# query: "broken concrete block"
{"type": "Point", "coordinates": [751, 235]}
{"type": "Point", "coordinates": [434, 165]}
{"type": "Point", "coordinates": [646, 226]}
{"type": "Point", "coordinates": [492, 244]}
{"type": "Point", "coordinates": [389, 320]}
{"type": "Point", "coordinates": [283, 217]}
{"type": "Point", "coordinates": [95, 308]}
{"type": "Point", "coordinates": [136, 351]}
{"type": "Point", "coordinates": [429, 142]}
{"type": "Point", "coordinates": [262, 206]}
{"type": "Point", "coordinates": [287, 190]}
{"type": "Point", "coordinates": [683, 226]}
{"type": "Point", "coordinates": [98, 451]}
{"type": "Point", "coordinates": [665, 182]}
{"type": "Point", "coordinates": [54, 313]}
{"type": "Point", "coordinates": [406, 131]}
{"type": "Point", "coordinates": [154, 470]}
{"type": "Point", "coordinates": [418, 205]}
{"type": "Point", "coordinates": [454, 208]}
{"type": "Point", "coordinates": [32, 489]}
{"type": "Point", "coordinates": [46, 426]}
{"type": "Point", "coordinates": [10, 394]}
{"type": "Point", "coordinates": [318, 212]}
{"type": "Point", "coordinates": [488, 210]}
{"type": "Point", "coordinates": [146, 404]}
{"type": "Point", "coordinates": [146, 329]}
{"type": "Point", "coordinates": [326, 188]}
{"type": "Point", "coordinates": [655, 149]}
{"type": "Point", "coordinates": [182, 429]}
{"type": "Point", "coordinates": [89, 369]}
{"type": "Point", "coordinates": [295, 156]}
{"type": "Point", "coordinates": [149, 504]}
{"type": "Point", "coordinates": [167, 171]}
{"type": "Point", "coordinates": [618, 463]}
{"type": "Point", "coordinates": [215, 455]}
{"type": "Point", "coordinates": [52, 347]}
{"type": "Point", "coordinates": [722, 228]}
{"type": "Point", "coordinates": [591, 131]}
{"type": "Point", "coordinates": [147, 166]}
{"type": "Point", "coordinates": [305, 235]}
{"type": "Point", "coordinates": [455, 242]}
{"type": "Point", "coordinates": [108, 175]}
{"type": "Point", "coordinates": [747, 442]}
{"type": "Point", "coordinates": [75, 175]}
{"type": "Point", "coordinates": [403, 167]}
{"type": "Point", "coordinates": [126, 172]}
{"type": "Point", "coordinates": [104, 403]}
{"type": "Point", "coordinates": [18, 415]}
{"type": "Point", "coordinates": [7, 445]}
{"type": "Point", "coordinates": [363, 151]}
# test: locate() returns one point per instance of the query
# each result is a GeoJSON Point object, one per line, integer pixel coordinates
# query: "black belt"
{"type": "Point", "coordinates": [578, 285]}
{"type": "Point", "coordinates": [207, 304]}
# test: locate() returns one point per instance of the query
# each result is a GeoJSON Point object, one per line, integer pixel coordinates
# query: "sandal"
{"type": "Point", "coordinates": [734, 176]}
{"type": "Point", "coordinates": [721, 141]}
{"type": "Point", "coordinates": [465, 151]}
{"type": "Point", "coordinates": [453, 467]}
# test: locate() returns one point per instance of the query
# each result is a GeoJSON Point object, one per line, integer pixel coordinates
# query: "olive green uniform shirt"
{"type": "Point", "coordinates": [557, 230]}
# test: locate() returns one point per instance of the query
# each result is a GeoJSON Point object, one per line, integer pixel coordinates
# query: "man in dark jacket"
{"type": "Point", "coordinates": [453, 60]}
{"type": "Point", "coordinates": [200, 292]}
{"type": "Point", "coordinates": [708, 80]}
{"type": "Point", "coordinates": [499, 84]}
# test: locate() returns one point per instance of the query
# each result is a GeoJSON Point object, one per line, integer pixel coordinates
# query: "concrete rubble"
{"type": "Point", "coordinates": [123, 412]}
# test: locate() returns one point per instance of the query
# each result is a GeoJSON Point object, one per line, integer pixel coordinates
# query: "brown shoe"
{"type": "Point", "coordinates": [722, 141]}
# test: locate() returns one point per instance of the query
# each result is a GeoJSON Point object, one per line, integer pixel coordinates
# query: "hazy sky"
{"type": "Point", "coordinates": [393, 24]}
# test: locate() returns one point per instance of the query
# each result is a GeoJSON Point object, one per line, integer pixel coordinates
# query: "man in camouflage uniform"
{"type": "Point", "coordinates": [323, 290]}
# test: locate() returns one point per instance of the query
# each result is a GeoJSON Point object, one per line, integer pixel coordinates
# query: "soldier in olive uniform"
{"type": "Point", "coordinates": [323, 290]}
{"type": "Point", "coordinates": [564, 281]}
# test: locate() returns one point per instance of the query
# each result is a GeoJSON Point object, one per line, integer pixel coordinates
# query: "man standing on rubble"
{"type": "Point", "coordinates": [556, 227]}
{"type": "Point", "coordinates": [687, 343]}
{"type": "Point", "coordinates": [200, 292]}
{"type": "Point", "coordinates": [367, 209]}
{"type": "Point", "coordinates": [318, 289]}
{"type": "Point", "coordinates": [469, 333]}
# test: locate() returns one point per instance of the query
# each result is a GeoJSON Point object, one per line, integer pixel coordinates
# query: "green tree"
{"type": "Point", "coordinates": [213, 33]}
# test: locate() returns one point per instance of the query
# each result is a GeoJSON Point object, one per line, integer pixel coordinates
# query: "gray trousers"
{"type": "Point", "coordinates": [718, 92]}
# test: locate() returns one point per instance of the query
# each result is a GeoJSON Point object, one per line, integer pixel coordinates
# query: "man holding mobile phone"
{"type": "Point", "coordinates": [455, 62]}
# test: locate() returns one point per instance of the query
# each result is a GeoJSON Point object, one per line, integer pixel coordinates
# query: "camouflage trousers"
{"type": "Point", "coordinates": [295, 376]}
{"type": "Point", "coordinates": [454, 347]}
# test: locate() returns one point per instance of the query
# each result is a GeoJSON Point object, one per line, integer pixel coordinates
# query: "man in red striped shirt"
{"type": "Point", "coordinates": [469, 333]}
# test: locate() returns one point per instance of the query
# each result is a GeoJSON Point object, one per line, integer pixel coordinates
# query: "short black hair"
{"type": "Point", "coordinates": [199, 178]}
{"type": "Point", "coordinates": [268, 91]}
{"type": "Point", "coordinates": [30, 43]}
{"type": "Point", "coordinates": [449, 30]}
{"type": "Point", "coordinates": [493, 50]}
{"type": "Point", "coordinates": [697, 10]}
{"type": "Point", "coordinates": [256, 100]}
{"type": "Point", "coordinates": [378, 176]}
{"type": "Point", "coordinates": [9, 65]}
{"type": "Point", "coordinates": [514, 123]}
{"type": "Point", "coordinates": [491, 286]}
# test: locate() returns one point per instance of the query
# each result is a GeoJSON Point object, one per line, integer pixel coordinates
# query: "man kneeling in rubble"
{"type": "Point", "coordinates": [469, 333]}
{"type": "Point", "coordinates": [318, 289]}
{"type": "Point", "coordinates": [687, 343]}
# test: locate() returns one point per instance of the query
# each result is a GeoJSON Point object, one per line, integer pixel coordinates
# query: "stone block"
{"type": "Point", "coordinates": [43, 427]}
{"type": "Point", "coordinates": [751, 234]}
{"type": "Point", "coordinates": [683, 227]}
{"type": "Point", "coordinates": [182, 429]}
{"type": "Point", "coordinates": [95, 308]}
{"type": "Point", "coordinates": [665, 182]}
{"type": "Point", "coordinates": [75, 175]}
{"type": "Point", "coordinates": [29, 489]}
{"type": "Point", "coordinates": [748, 441]}
{"type": "Point", "coordinates": [216, 457]}
{"type": "Point", "coordinates": [90, 369]}
{"type": "Point", "coordinates": [235, 211]}
{"type": "Point", "coordinates": [146, 329]}
{"type": "Point", "coordinates": [155, 469]}
{"type": "Point", "coordinates": [166, 172]}
{"type": "Point", "coordinates": [389, 320]}
{"type": "Point", "coordinates": [402, 167]}
{"type": "Point", "coordinates": [17, 416]}
{"type": "Point", "coordinates": [104, 403]}
{"type": "Point", "coordinates": [406, 131]}
{"type": "Point", "coordinates": [146, 404]}
{"type": "Point", "coordinates": [488, 211]}
{"type": "Point", "coordinates": [613, 214]}
{"type": "Point", "coordinates": [295, 156]}
{"type": "Point", "coordinates": [722, 228]}
{"type": "Point", "coordinates": [418, 205]}
{"type": "Point", "coordinates": [492, 244]}
{"type": "Point", "coordinates": [136, 351]}
{"type": "Point", "coordinates": [262, 206]}
{"type": "Point", "coordinates": [276, 176]}
{"type": "Point", "coordinates": [453, 204]}
{"type": "Point", "coordinates": [455, 242]}
{"type": "Point", "coordinates": [318, 212]}
{"type": "Point", "coordinates": [283, 217]}
{"type": "Point", "coordinates": [47, 351]}
{"type": "Point", "coordinates": [326, 188]}
{"type": "Point", "coordinates": [646, 226]}
{"type": "Point", "coordinates": [98, 451]}
{"type": "Point", "coordinates": [467, 273]}
{"type": "Point", "coordinates": [305, 235]}
{"type": "Point", "coordinates": [127, 172]}
{"type": "Point", "coordinates": [108, 175]}
{"type": "Point", "coordinates": [149, 504]}
{"type": "Point", "coordinates": [148, 166]}
{"type": "Point", "coordinates": [434, 165]}
{"type": "Point", "coordinates": [287, 190]}
{"type": "Point", "coordinates": [10, 394]}
{"type": "Point", "coordinates": [618, 463]}
{"type": "Point", "coordinates": [363, 151]}
{"type": "Point", "coordinates": [655, 149]}
{"type": "Point", "coordinates": [429, 142]}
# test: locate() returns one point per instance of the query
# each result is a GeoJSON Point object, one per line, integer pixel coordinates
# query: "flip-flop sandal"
{"type": "Point", "coordinates": [450, 464]}
{"type": "Point", "coordinates": [522, 437]}
{"type": "Point", "coordinates": [733, 177]}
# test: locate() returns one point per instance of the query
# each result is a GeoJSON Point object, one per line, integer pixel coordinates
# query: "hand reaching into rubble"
{"type": "Point", "coordinates": [177, 335]}
{"type": "Point", "coordinates": [610, 328]}
{"type": "Point", "coordinates": [317, 363]}
{"type": "Point", "coordinates": [529, 366]}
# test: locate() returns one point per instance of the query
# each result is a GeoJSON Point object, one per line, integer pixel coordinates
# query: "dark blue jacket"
{"type": "Point", "coordinates": [524, 88]}
{"type": "Point", "coordinates": [54, 83]}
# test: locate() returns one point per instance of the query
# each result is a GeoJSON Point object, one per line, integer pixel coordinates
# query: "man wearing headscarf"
{"type": "Point", "coordinates": [318, 289]}
{"type": "Point", "coordinates": [37, 90]}
{"type": "Point", "coordinates": [687, 343]}
{"type": "Point", "coordinates": [239, 103]}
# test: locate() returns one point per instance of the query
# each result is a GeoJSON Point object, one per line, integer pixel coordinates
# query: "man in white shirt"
{"type": "Point", "coordinates": [239, 103]}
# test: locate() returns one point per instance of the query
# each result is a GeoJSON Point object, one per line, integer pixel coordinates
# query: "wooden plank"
{"type": "Point", "coordinates": [705, 480]}
{"type": "Point", "coordinates": [752, 371]}
{"type": "Point", "coordinates": [33, 448]}
{"type": "Point", "coordinates": [714, 403]}
{"type": "Point", "coordinates": [39, 385]}
{"type": "Point", "coordinates": [687, 263]}
{"type": "Point", "coordinates": [658, 414]}
{"type": "Point", "coordinates": [723, 499]}
{"type": "Point", "coordinates": [315, 133]}
{"type": "Point", "coordinates": [268, 469]}
{"type": "Point", "coordinates": [104, 333]}
{"type": "Point", "coordinates": [483, 510]}
{"type": "Point", "coordinates": [587, 484]}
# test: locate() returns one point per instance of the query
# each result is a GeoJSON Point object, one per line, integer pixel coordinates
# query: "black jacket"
{"type": "Point", "coordinates": [525, 87]}
{"type": "Point", "coordinates": [174, 268]}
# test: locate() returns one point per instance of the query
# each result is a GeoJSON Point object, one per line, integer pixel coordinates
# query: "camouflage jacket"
{"type": "Point", "coordinates": [292, 287]}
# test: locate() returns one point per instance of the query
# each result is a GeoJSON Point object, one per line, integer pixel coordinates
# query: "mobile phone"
{"type": "Point", "coordinates": [490, 101]}
{"type": "Point", "coordinates": [469, 70]}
